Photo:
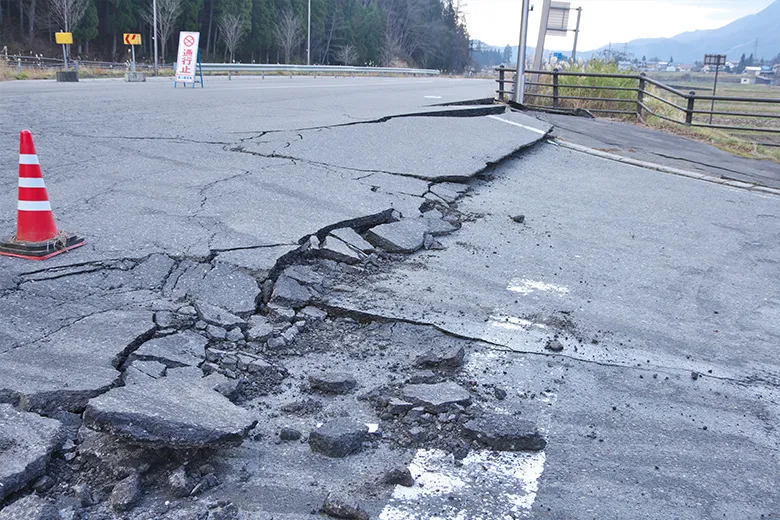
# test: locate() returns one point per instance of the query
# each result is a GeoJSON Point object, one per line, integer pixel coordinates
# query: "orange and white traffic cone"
{"type": "Point", "coordinates": [36, 236]}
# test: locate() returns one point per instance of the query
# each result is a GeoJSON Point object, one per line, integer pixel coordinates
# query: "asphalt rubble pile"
{"type": "Point", "coordinates": [243, 352]}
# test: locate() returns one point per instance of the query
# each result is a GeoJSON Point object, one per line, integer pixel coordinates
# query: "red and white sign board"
{"type": "Point", "coordinates": [187, 62]}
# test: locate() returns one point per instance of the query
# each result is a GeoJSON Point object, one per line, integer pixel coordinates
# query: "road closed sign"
{"type": "Point", "coordinates": [188, 56]}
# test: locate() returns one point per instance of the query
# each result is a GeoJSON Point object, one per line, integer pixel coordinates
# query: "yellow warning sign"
{"type": "Point", "coordinates": [132, 39]}
{"type": "Point", "coordinates": [63, 38]}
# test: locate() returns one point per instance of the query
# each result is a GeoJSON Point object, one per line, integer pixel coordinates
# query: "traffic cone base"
{"type": "Point", "coordinates": [40, 250]}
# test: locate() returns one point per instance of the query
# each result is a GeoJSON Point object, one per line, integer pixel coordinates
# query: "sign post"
{"type": "Point", "coordinates": [65, 38]}
{"type": "Point", "coordinates": [133, 39]}
{"type": "Point", "coordinates": [718, 60]}
{"type": "Point", "coordinates": [188, 67]}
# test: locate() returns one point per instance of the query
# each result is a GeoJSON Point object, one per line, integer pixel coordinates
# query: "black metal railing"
{"type": "Point", "coordinates": [684, 111]}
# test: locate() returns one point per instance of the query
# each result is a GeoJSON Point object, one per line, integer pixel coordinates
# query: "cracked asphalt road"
{"type": "Point", "coordinates": [208, 215]}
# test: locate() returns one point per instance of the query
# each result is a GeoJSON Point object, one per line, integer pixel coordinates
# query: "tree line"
{"type": "Point", "coordinates": [418, 33]}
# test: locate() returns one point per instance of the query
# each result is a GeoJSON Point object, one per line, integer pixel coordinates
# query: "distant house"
{"type": "Point", "coordinates": [671, 68]}
{"type": "Point", "coordinates": [685, 67]}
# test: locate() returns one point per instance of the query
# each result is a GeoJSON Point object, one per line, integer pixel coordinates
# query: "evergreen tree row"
{"type": "Point", "coordinates": [418, 33]}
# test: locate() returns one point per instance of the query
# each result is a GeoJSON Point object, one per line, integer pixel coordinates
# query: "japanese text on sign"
{"type": "Point", "coordinates": [188, 56]}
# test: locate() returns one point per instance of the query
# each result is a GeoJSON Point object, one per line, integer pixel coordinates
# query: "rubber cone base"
{"type": "Point", "coordinates": [40, 250]}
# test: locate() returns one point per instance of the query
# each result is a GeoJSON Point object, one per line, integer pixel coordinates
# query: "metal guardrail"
{"type": "Point", "coordinates": [322, 69]}
{"type": "Point", "coordinates": [640, 107]}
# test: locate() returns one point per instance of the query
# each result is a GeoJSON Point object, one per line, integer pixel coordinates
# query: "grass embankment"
{"type": "Point", "coordinates": [738, 142]}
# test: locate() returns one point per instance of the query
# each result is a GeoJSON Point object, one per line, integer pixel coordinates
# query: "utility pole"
{"type": "Point", "coordinates": [576, 35]}
{"type": "Point", "coordinates": [154, 31]}
{"type": "Point", "coordinates": [519, 91]}
{"type": "Point", "coordinates": [308, 39]}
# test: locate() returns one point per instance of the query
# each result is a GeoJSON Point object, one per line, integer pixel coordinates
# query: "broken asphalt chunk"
{"type": "Point", "coordinates": [66, 369]}
{"type": "Point", "coordinates": [333, 382]}
{"type": "Point", "coordinates": [338, 438]}
{"type": "Point", "coordinates": [405, 236]}
{"type": "Point", "coordinates": [217, 315]}
{"type": "Point", "coordinates": [504, 433]}
{"type": "Point", "coordinates": [437, 397]}
{"type": "Point", "coordinates": [31, 507]}
{"type": "Point", "coordinates": [181, 349]}
{"type": "Point", "coordinates": [338, 508]}
{"type": "Point", "coordinates": [260, 329]}
{"type": "Point", "coordinates": [334, 249]}
{"type": "Point", "coordinates": [288, 292]}
{"type": "Point", "coordinates": [178, 411]}
{"type": "Point", "coordinates": [126, 493]}
{"type": "Point", "coordinates": [350, 237]}
{"type": "Point", "coordinates": [27, 440]}
{"type": "Point", "coordinates": [228, 287]}
{"type": "Point", "coordinates": [450, 356]}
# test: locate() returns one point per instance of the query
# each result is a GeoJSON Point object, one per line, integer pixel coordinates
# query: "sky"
{"type": "Point", "coordinates": [497, 22]}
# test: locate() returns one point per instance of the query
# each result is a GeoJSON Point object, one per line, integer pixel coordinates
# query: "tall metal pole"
{"type": "Point", "coordinates": [308, 39]}
{"type": "Point", "coordinates": [518, 94]}
{"type": "Point", "coordinates": [576, 36]}
{"type": "Point", "coordinates": [154, 34]}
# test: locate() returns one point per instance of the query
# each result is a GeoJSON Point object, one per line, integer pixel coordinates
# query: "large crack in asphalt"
{"type": "Point", "coordinates": [285, 305]}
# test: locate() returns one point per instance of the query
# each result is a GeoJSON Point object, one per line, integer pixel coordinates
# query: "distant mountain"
{"type": "Point", "coordinates": [734, 39]}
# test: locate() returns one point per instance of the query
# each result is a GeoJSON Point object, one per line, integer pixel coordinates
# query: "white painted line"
{"type": "Point", "coordinates": [34, 205]}
{"type": "Point", "coordinates": [432, 97]}
{"type": "Point", "coordinates": [525, 286]}
{"type": "Point", "coordinates": [27, 182]}
{"type": "Point", "coordinates": [514, 323]}
{"type": "Point", "coordinates": [488, 485]}
{"type": "Point", "coordinates": [532, 129]}
{"type": "Point", "coordinates": [28, 158]}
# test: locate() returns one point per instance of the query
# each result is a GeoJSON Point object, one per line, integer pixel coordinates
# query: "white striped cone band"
{"type": "Point", "coordinates": [34, 205]}
{"type": "Point", "coordinates": [27, 182]}
{"type": "Point", "coordinates": [28, 158]}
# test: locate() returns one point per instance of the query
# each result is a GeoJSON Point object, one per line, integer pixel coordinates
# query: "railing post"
{"type": "Point", "coordinates": [689, 111]}
{"type": "Point", "coordinates": [19, 65]}
{"type": "Point", "coordinates": [501, 83]}
{"type": "Point", "coordinates": [640, 97]}
{"type": "Point", "coordinates": [555, 88]}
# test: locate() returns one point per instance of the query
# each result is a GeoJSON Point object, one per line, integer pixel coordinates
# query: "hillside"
{"type": "Point", "coordinates": [733, 39]}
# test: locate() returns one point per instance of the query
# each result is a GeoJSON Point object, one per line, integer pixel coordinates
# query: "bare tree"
{"type": "Point", "coordinates": [30, 9]}
{"type": "Point", "coordinates": [68, 13]}
{"type": "Point", "coordinates": [289, 33]}
{"type": "Point", "coordinates": [232, 28]}
{"type": "Point", "coordinates": [168, 12]}
{"type": "Point", "coordinates": [347, 54]}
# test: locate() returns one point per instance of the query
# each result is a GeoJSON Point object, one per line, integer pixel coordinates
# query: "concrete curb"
{"type": "Point", "coordinates": [667, 169]}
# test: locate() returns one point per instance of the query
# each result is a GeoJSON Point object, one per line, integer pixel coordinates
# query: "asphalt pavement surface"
{"type": "Point", "coordinates": [626, 316]}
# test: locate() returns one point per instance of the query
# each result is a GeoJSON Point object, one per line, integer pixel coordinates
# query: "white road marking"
{"type": "Point", "coordinates": [487, 486]}
{"type": "Point", "coordinates": [532, 129]}
{"type": "Point", "coordinates": [514, 323]}
{"type": "Point", "coordinates": [525, 286]}
{"type": "Point", "coordinates": [432, 97]}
